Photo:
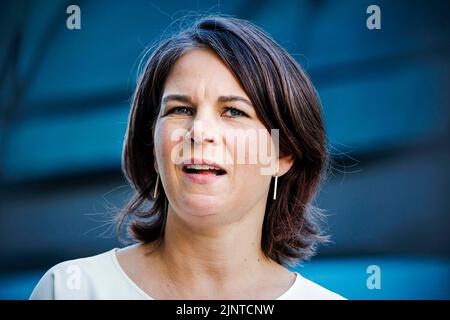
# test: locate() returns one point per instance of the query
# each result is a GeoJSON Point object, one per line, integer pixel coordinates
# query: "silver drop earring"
{"type": "Point", "coordinates": [275, 186]}
{"type": "Point", "coordinates": [156, 186]}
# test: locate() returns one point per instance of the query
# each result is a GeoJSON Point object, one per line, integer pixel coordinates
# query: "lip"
{"type": "Point", "coordinates": [204, 161]}
{"type": "Point", "coordinates": [202, 178]}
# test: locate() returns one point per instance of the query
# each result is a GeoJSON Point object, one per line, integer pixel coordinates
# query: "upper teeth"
{"type": "Point", "coordinates": [201, 167]}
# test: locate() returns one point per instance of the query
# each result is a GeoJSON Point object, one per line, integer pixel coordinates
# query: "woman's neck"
{"type": "Point", "coordinates": [213, 258]}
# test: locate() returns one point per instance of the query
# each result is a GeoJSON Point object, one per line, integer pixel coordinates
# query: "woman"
{"type": "Point", "coordinates": [215, 214]}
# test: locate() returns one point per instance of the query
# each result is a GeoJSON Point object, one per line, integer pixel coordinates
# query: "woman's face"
{"type": "Point", "coordinates": [199, 123]}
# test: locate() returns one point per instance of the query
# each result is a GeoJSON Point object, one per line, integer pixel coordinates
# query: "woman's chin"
{"type": "Point", "coordinates": [203, 205]}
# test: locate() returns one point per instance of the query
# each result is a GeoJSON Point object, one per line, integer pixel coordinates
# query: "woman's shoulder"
{"type": "Point", "coordinates": [92, 277]}
{"type": "Point", "coordinates": [305, 289]}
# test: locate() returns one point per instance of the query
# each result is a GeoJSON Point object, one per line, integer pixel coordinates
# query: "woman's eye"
{"type": "Point", "coordinates": [233, 112]}
{"type": "Point", "coordinates": [181, 110]}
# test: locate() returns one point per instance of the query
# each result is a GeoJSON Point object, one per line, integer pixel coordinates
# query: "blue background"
{"type": "Point", "coordinates": [65, 96]}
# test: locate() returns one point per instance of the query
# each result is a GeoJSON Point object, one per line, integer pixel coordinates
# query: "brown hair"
{"type": "Point", "coordinates": [284, 99]}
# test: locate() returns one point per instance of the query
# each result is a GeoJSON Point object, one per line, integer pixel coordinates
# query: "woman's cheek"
{"type": "Point", "coordinates": [238, 143]}
{"type": "Point", "coordinates": [165, 145]}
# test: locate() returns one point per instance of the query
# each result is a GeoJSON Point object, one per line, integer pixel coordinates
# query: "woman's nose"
{"type": "Point", "coordinates": [203, 130]}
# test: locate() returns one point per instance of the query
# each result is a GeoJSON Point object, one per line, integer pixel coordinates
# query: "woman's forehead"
{"type": "Point", "coordinates": [199, 73]}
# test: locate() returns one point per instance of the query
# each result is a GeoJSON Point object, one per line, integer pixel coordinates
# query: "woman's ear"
{"type": "Point", "coordinates": [285, 163]}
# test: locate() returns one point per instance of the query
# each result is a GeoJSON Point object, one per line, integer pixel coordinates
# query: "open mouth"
{"type": "Point", "coordinates": [203, 169]}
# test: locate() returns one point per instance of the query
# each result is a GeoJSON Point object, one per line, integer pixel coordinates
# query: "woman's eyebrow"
{"type": "Point", "coordinates": [234, 98]}
{"type": "Point", "coordinates": [187, 99]}
{"type": "Point", "coordinates": [177, 97]}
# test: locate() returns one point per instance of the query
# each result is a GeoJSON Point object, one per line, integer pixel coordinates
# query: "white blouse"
{"type": "Point", "coordinates": [101, 277]}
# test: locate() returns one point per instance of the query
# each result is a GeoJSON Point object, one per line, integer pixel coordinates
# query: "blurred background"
{"type": "Point", "coordinates": [65, 97]}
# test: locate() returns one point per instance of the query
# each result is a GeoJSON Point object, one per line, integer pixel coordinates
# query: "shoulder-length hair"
{"type": "Point", "coordinates": [284, 98]}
